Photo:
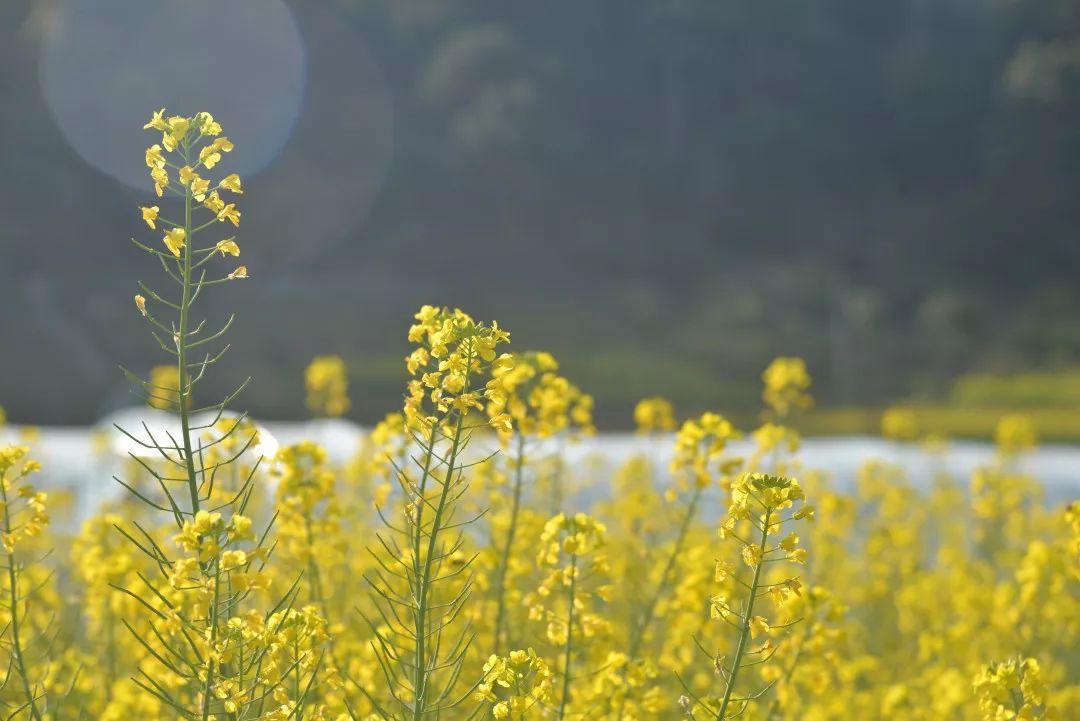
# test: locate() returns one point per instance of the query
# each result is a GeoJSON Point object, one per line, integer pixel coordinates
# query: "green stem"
{"type": "Point", "coordinates": [569, 647]}
{"type": "Point", "coordinates": [296, 678]}
{"type": "Point", "coordinates": [183, 390]}
{"type": "Point", "coordinates": [16, 640]}
{"type": "Point", "coordinates": [744, 633]}
{"type": "Point", "coordinates": [110, 652]}
{"type": "Point", "coordinates": [208, 688]}
{"type": "Point", "coordinates": [424, 581]}
{"type": "Point", "coordinates": [505, 562]}
{"type": "Point", "coordinates": [315, 590]}
{"type": "Point", "coordinates": [316, 587]}
{"type": "Point", "coordinates": [416, 570]}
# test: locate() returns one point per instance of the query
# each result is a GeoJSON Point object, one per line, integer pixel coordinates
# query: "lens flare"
{"type": "Point", "coordinates": [103, 62]}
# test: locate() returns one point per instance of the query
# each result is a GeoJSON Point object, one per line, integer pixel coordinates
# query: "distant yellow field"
{"type": "Point", "coordinates": [1055, 425]}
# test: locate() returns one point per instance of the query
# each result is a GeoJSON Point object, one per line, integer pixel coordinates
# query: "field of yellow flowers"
{"type": "Point", "coordinates": [446, 571]}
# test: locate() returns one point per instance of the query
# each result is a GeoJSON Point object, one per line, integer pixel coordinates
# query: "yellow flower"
{"type": "Point", "coordinates": [209, 157]}
{"type": "Point", "coordinates": [174, 240]}
{"type": "Point", "coordinates": [786, 382]}
{"type": "Point", "coordinates": [790, 542]}
{"type": "Point", "coordinates": [140, 303]}
{"type": "Point", "coordinates": [1015, 433]}
{"type": "Point", "coordinates": [654, 414]}
{"type": "Point", "coordinates": [233, 559]}
{"type": "Point", "coordinates": [723, 570]}
{"type": "Point", "coordinates": [199, 187]}
{"type": "Point", "coordinates": [417, 360]}
{"type": "Point", "coordinates": [327, 381]}
{"type": "Point", "coordinates": [230, 213]}
{"type": "Point", "coordinates": [214, 203]}
{"type": "Point", "coordinates": [759, 626]}
{"type": "Point", "coordinates": [751, 555]}
{"type": "Point", "coordinates": [160, 176]}
{"type": "Point", "coordinates": [229, 247]}
{"type": "Point", "coordinates": [240, 528]}
{"type": "Point", "coordinates": [207, 124]}
{"type": "Point", "coordinates": [502, 423]}
{"type": "Point", "coordinates": [900, 424]}
{"type": "Point", "coordinates": [150, 216]}
{"type": "Point", "coordinates": [240, 272]}
{"type": "Point", "coordinates": [231, 183]}
{"type": "Point", "coordinates": [173, 134]}
{"type": "Point", "coordinates": [157, 121]}
{"type": "Point", "coordinates": [154, 158]}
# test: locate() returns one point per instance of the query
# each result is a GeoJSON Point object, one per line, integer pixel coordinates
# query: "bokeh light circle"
{"type": "Point", "coordinates": [106, 64]}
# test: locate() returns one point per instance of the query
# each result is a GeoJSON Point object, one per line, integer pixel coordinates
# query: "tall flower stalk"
{"type": "Point", "coordinates": [210, 655]}
{"type": "Point", "coordinates": [508, 544]}
{"type": "Point", "coordinates": [530, 403]}
{"type": "Point", "coordinates": [571, 553]}
{"type": "Point", "coordinates": [761, 505]}
{"type": "Point", "coordinates": [23, 517]}
{"type": "Point", "coordinates": [699, 447]}
{"type": "Point", "coordinates": [422, 580]}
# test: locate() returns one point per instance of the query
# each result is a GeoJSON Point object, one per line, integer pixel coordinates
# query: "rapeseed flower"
{"type": "Point", "coordinates": [327, 383]}
{"type": "Point", "coordinates": [786, 382]}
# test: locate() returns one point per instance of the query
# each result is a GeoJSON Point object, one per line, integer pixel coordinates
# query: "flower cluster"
{"type": "Point", "coordinates": [701, 442]}
{"type": "Point", "coordinates": [1015, 433]}
{"type": "Point", "coordinates": [517, 685]}
{"type": "Point", "coordinates": [308, 513]}
{"type": "Point", "coordinates": [24, 602]}
{"type": "Point", "coordinates": [900, 424]}
{"type": "Point", "coordinates": [198, 145]}
{"type": "Point", "coordinates": [761, 506]}
{"type": "Point", "coordinates": [327, 383]}
{"type": "Point", "coordinates": [1013, 689]}
{"type": "Point", "coordinates": [527, 395]}
{"type": "Point", "coordinates": [786, 384]}
{"type": "Point", "coordinates": [565, 601]}
{"type": "Point", "coordinates": [304, 477]}
{"type": "Point", "coordinates": [453, 354]}
{"type": "Point", "coordinates": [654, 414]}
{"type": "Point", "coordinates": [22, 507]}
{"type": "Point", "coordinates": [209, 538]}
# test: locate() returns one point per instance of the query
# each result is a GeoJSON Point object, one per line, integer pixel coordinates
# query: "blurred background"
{"type": "Point", "coordinates": [663, 193]}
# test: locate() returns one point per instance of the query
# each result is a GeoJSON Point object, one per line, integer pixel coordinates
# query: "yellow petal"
{"type": "Point", "coordinates": [232, 183]}
{"type": "Point", "coordinates": [150, 215]}
{"type": "Point", "coordinates": [229, 247]}
{"type": "Point", "coordinates": [157, 121]}
{"type": "Point", "coordinates": [174, 240]}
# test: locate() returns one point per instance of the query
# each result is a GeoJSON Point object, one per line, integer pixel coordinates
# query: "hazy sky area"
{"type": "Point", "coordinates": [665, 194]}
